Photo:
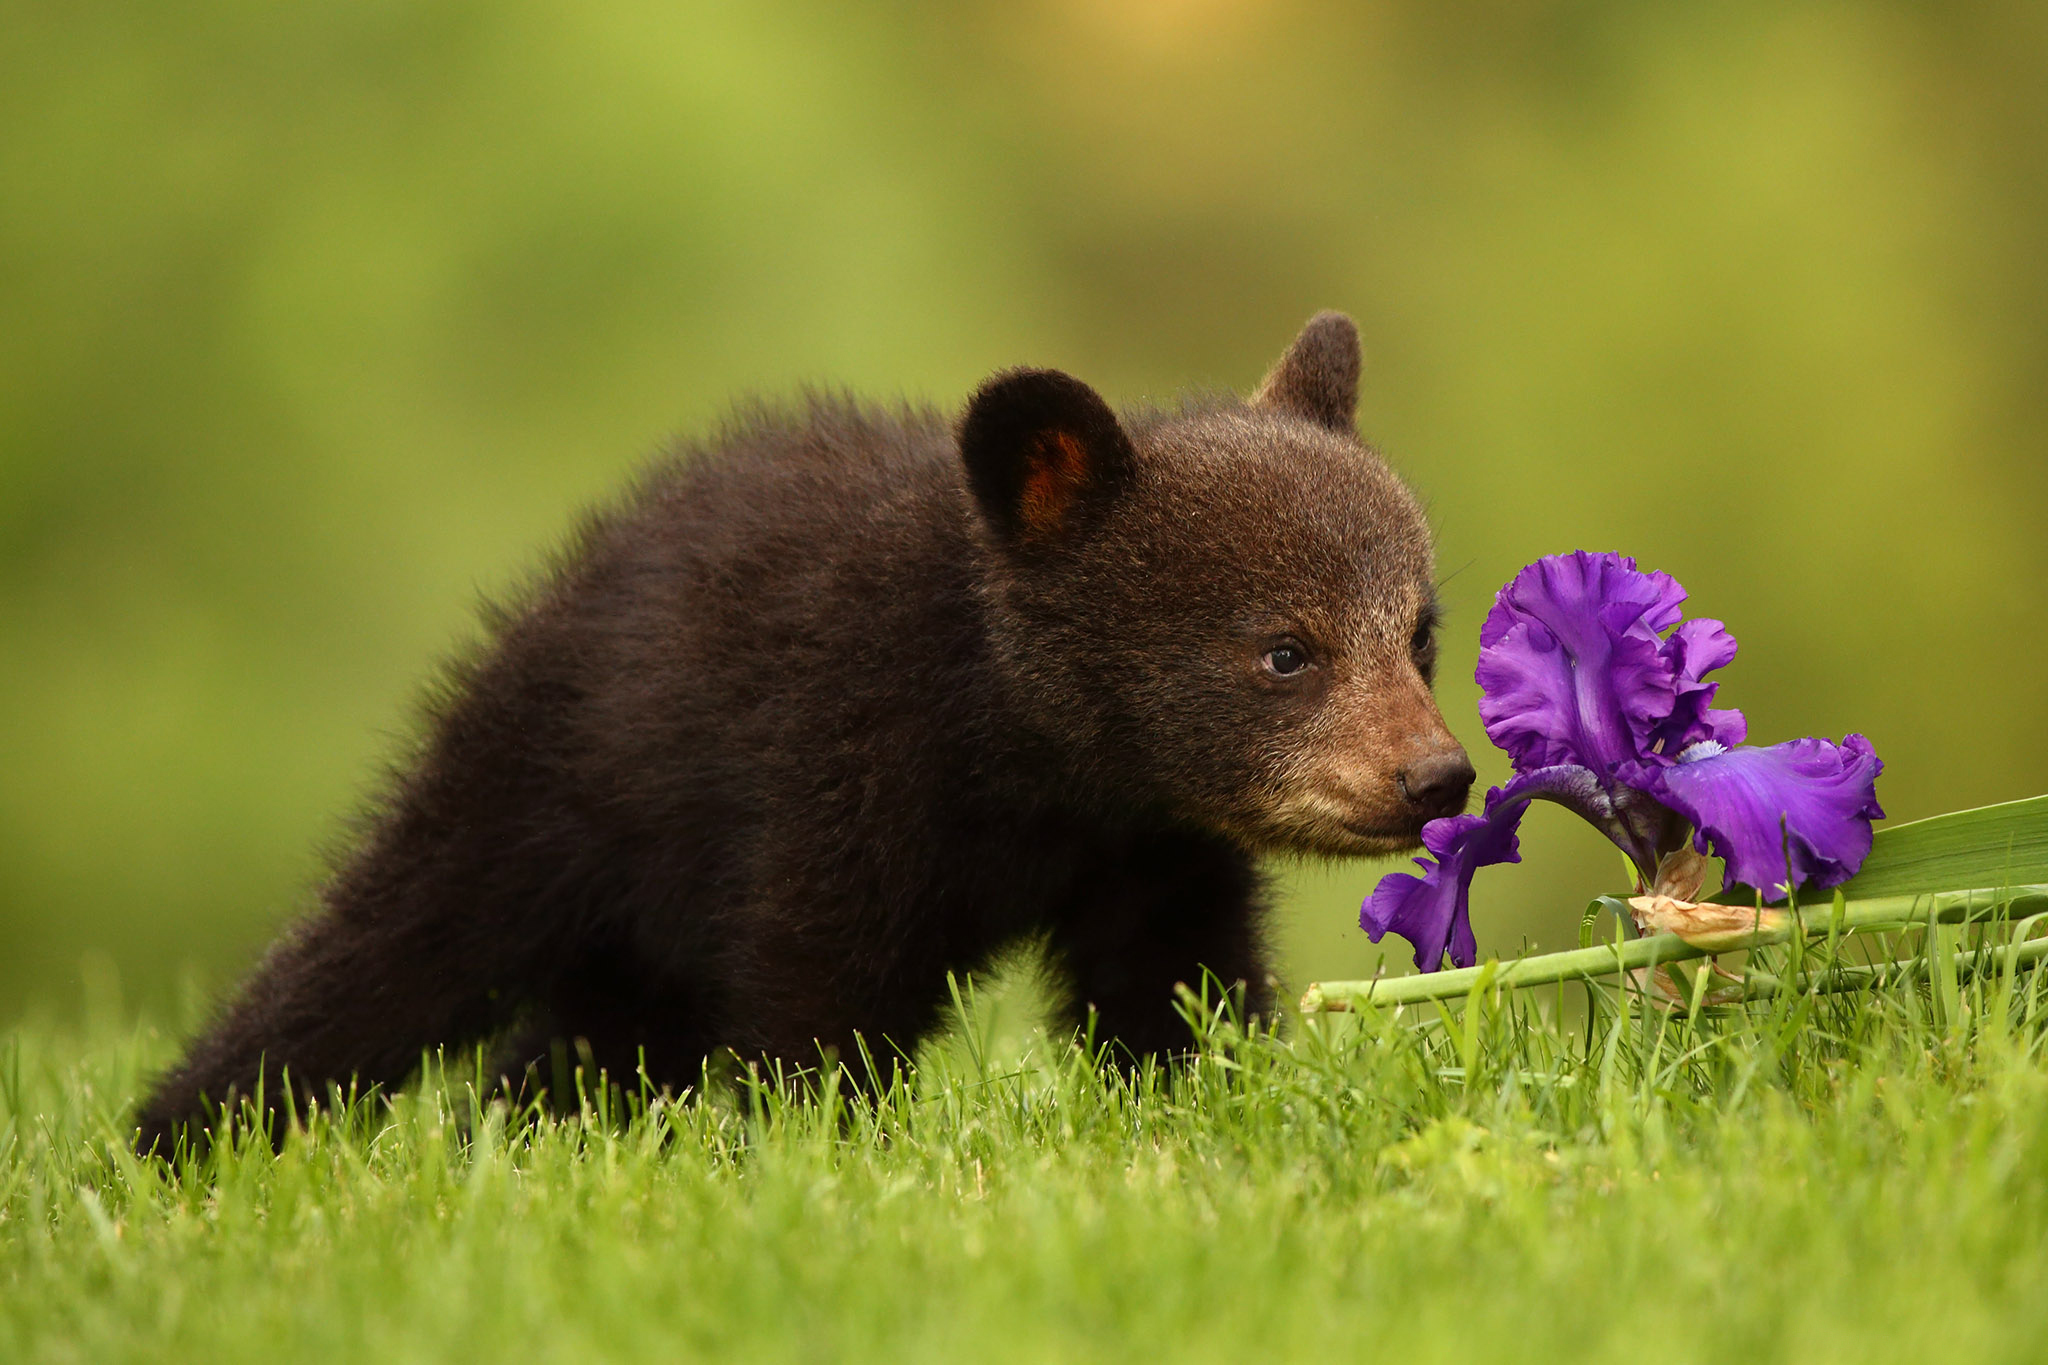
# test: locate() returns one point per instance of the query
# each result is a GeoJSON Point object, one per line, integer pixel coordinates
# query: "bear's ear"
{"type": "Point", "coordinates": [1042, 450]}
{"type": "Point", "coordinates": [1318, 377]}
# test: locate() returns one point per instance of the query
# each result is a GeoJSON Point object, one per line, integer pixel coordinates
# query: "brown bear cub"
{"type": "Point", "coordinates": [854, 698]}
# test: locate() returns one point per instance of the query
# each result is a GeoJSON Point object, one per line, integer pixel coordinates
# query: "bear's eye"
{"type": "Point", "coordinates": [1422, 644]}
{"type": "Point", "coordinates": [1288, 659]}
{"type": "Point", "coordinates": [1425, 630]}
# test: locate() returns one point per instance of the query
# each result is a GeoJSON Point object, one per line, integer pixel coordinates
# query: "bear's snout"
{"type": "Point", "coordinates": [1438, 782]}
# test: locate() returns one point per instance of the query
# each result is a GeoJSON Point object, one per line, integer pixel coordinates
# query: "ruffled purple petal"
{"type": "Point", "coordinates": [1695, 649]}
{"type": "Point", "coordinates": [1572, 665]}
{"type": "Point", "coordinates": [1433, 911]}
{"type": "Point", "coordinates": [1810, 798]}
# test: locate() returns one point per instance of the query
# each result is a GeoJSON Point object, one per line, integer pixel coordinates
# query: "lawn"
{"type": "Point", "coordinates": [1859, 1176]}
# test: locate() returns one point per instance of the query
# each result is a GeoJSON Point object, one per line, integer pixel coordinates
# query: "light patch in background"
{"type": "Point", "coordinates": [1170, 30]}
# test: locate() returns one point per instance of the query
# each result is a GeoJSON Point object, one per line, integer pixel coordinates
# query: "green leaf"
{"type": "Point", "coordinates": [1991, 847]}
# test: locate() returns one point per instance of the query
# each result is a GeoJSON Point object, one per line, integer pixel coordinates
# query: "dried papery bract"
{"type": "Point", "coordinates": [1680, 874]}
{"type": "Point", "coordinates": [1708, 924]}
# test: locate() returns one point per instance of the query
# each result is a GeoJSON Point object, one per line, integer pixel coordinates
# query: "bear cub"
{"type": "Point", "coordinates": [850, 698]}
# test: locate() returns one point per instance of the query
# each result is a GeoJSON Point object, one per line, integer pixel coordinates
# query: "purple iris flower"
{"type": "Point", "coordinates": [1596, 689]}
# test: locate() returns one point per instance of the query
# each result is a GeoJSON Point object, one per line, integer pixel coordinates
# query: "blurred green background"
{"type": "Point", "coordinates": [321, 320]}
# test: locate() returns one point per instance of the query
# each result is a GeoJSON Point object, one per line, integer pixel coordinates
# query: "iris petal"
{"type": "Point", "coordinates": [1809, 799]}
{"type": "Point", "coordinates": [1571, 662]}
{"type": "Point", "coordinates": [1433, 911]}
{"type": "Point", "coordinates": [1695, 649]}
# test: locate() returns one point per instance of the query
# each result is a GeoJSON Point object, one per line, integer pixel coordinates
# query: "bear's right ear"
{"type": "Point", "coordinates": [1042, 450]}
{"type": "Point", "coordinates": [1318, 377]}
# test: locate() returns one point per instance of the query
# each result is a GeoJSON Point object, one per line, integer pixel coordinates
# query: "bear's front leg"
{"type": "Point", "coordinates": [1171, 908]}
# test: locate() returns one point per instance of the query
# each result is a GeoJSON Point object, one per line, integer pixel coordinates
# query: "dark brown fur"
{"type": "Point", "coordinates": [851, 699]}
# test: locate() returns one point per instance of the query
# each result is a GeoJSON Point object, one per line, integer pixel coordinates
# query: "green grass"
{"type": "Point", "coordinates": [1859, 1176]}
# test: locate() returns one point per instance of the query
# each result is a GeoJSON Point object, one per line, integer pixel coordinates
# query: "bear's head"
{"type": "Point", "coordinates": [1226, 613]}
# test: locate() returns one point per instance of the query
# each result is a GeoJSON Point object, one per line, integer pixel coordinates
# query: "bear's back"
{"type": "Point", "coordinates": [788, 607]}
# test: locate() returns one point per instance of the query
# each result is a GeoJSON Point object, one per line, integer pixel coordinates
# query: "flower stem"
{"type": "Point", "coordinates": [1880, 912]}
{"type": "Point", "coordinates": [1759, 985]}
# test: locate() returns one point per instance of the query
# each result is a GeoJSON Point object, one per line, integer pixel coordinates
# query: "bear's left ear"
{"type": "Point", "coordinates": [1318, 377]}
{"type": "Point", "coordinates": [1042, 451]}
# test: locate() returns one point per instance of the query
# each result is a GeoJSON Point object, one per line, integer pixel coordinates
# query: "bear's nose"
{"type": "Point", "coordinates": [1438, 782]}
